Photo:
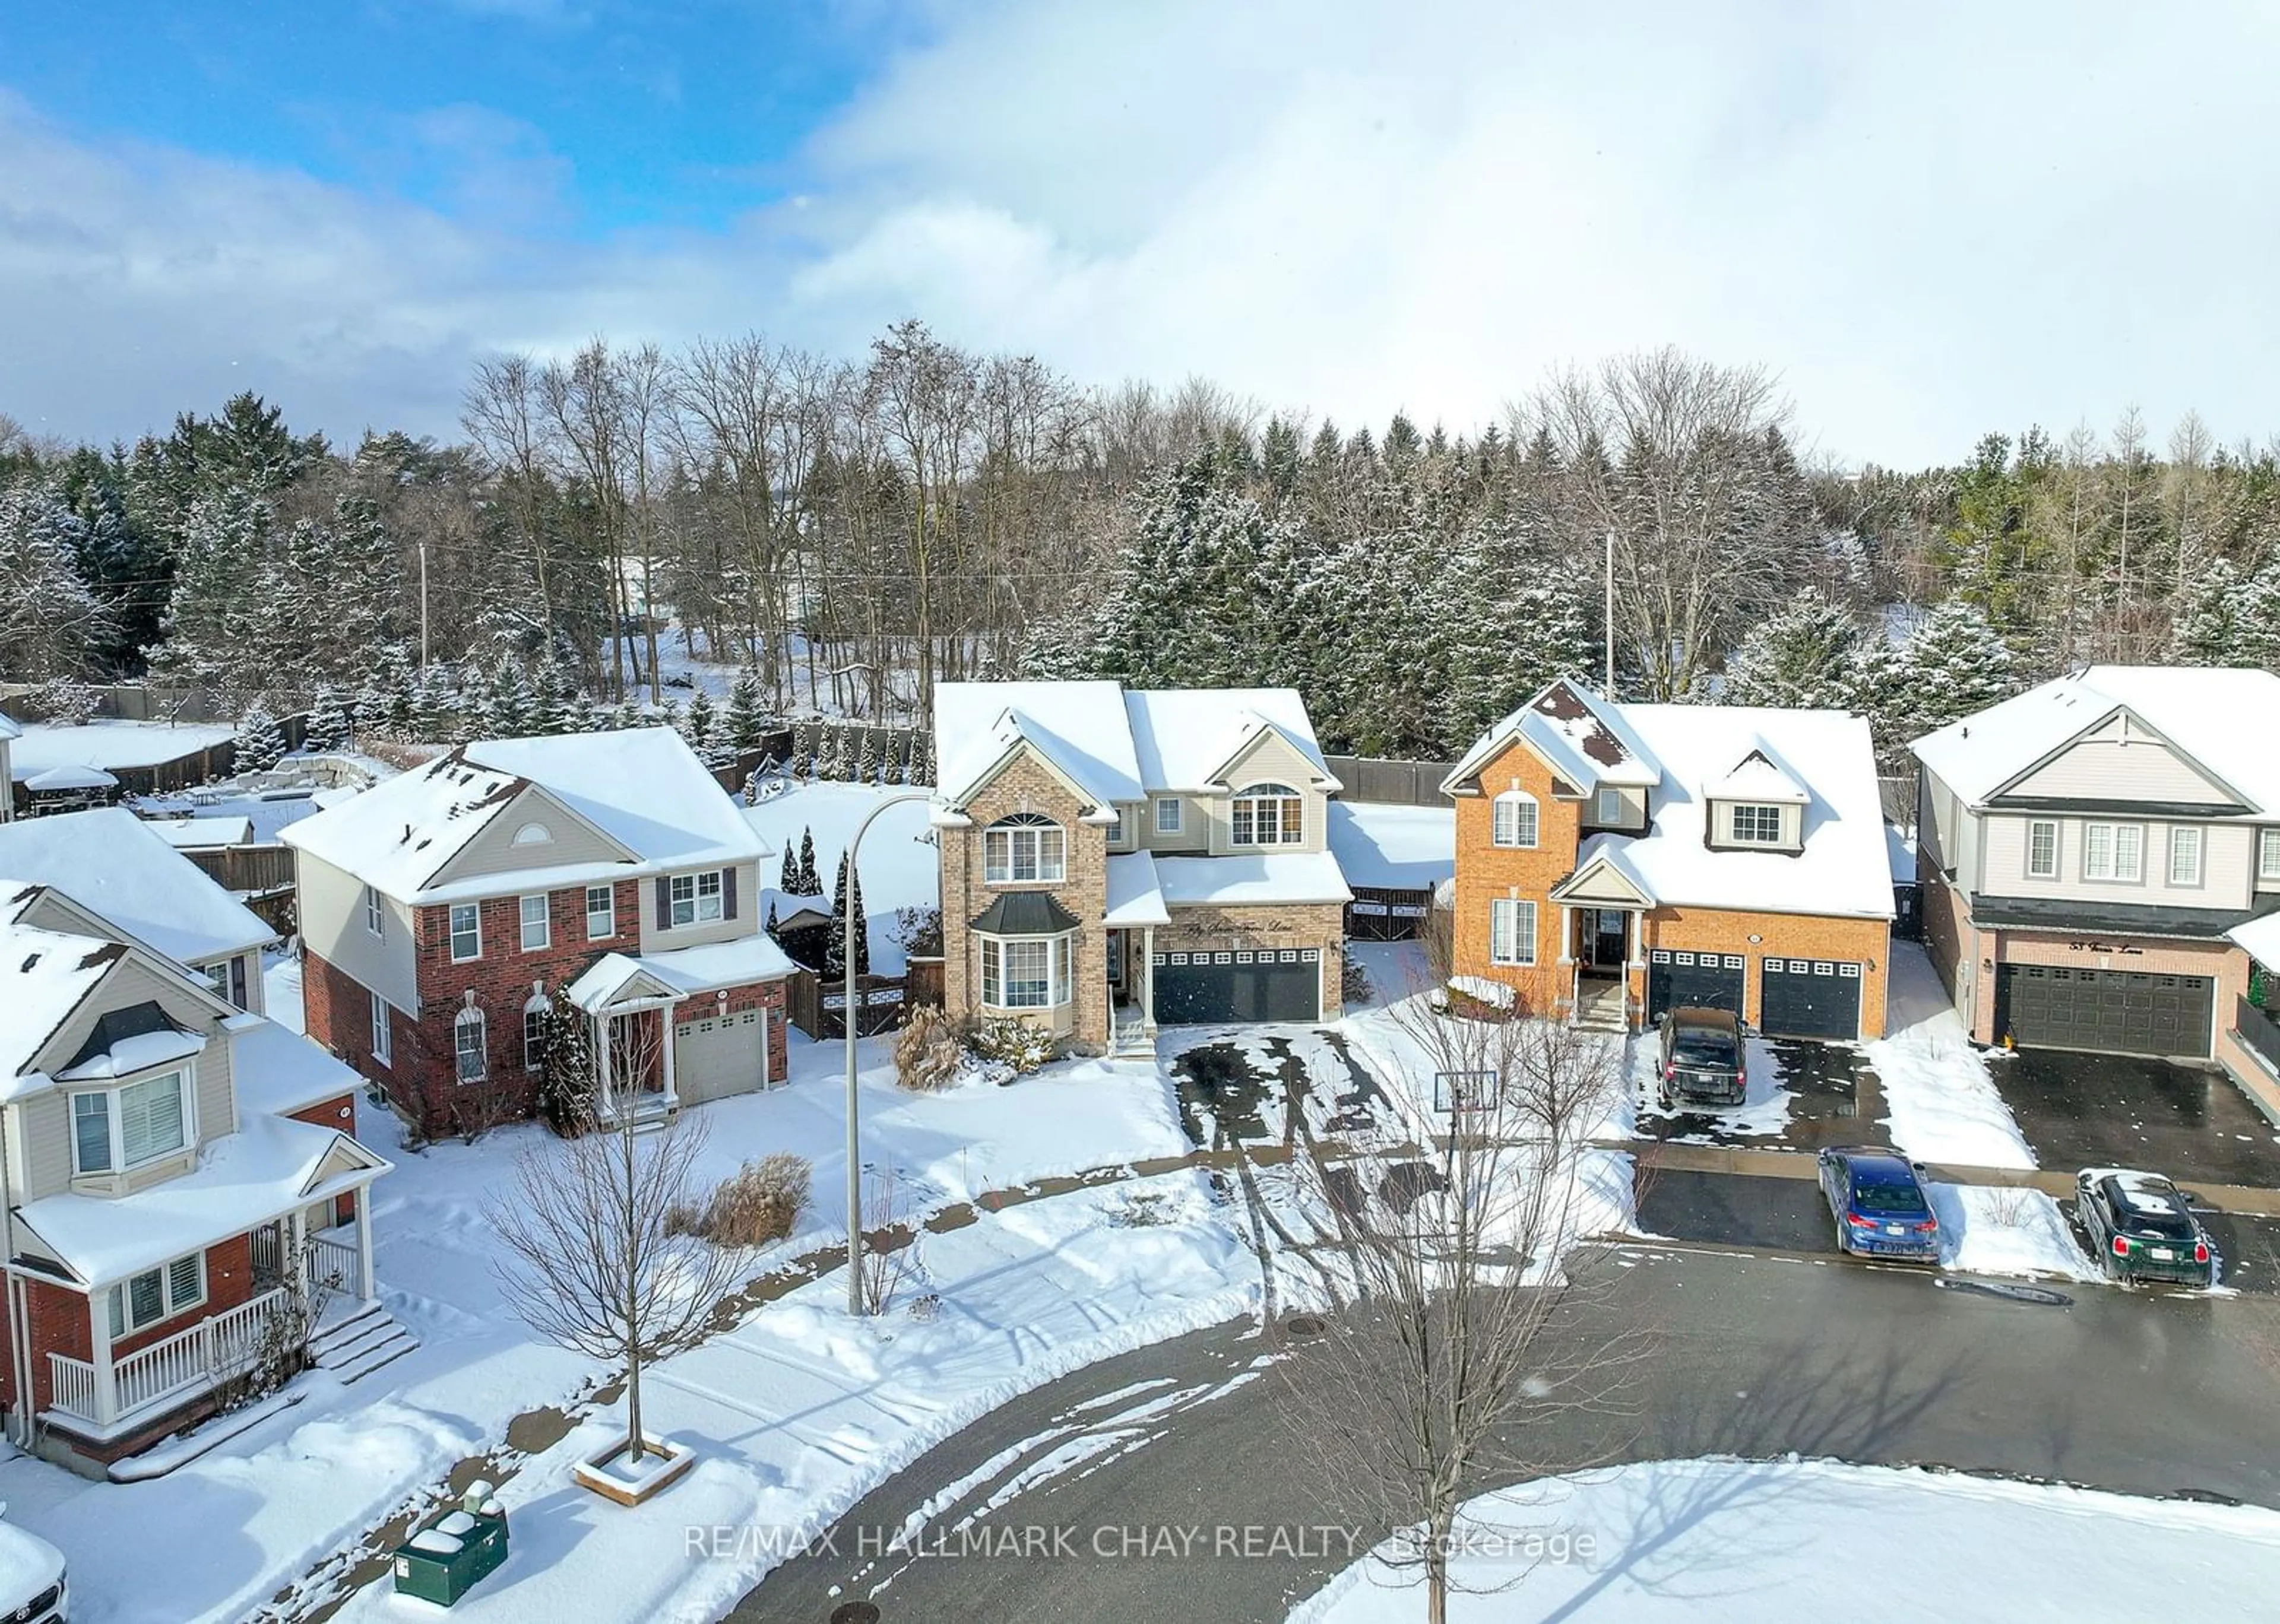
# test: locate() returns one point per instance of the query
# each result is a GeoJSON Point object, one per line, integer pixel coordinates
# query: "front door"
{"type": "Point", "coordinates": [1607, 952]}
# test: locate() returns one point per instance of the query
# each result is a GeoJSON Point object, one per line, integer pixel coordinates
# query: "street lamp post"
{"type": "Point", "coordinates": [850, 1022]}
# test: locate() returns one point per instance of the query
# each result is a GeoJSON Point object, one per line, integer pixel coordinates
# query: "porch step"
{"type": "Point", "coordinates": [360, 1342]}
{"type": "Point", "coordinates": [1131, 1039]}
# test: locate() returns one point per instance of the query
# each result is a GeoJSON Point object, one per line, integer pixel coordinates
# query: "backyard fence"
{"type": "Point", "coordinates": [818, 1007]}
{"type": "Point", "coordinates": [1390, 782]}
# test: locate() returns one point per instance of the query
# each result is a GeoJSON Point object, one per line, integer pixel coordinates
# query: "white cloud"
{"type": "Point", "coordinates": [1933, 223]}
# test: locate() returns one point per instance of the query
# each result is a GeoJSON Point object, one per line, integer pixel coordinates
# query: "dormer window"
{"type": "Point", "coordinates": [1753, 825]}
{"type": "Point", "coordinates": [1513, 819]}
{"type": "Point", "coordinates": [1611, 808]}
{"type": "Point", "coordinates": [115, 1130]}
{"type": "Point", "coordinates": [1268, 815]}
{"type": "Point", "coordinates": [1024, 847]}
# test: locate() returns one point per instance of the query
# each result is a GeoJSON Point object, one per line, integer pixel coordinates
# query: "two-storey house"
{"type": "Point", "coordinates": [177, 1172]}
{"type": "Point", "coordinates": [2088, 850]}
{"type": "Point", "coordinates": [442, 910]}
{"type": "Point", "coordinates": [1617, 860]}
{"type": "Point", "coordinates": [1114, 859]}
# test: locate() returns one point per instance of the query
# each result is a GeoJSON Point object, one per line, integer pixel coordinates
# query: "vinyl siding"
{"type": "Point", "coordinates": [331, 903]}
{"type": "Point", "coordinates": [1194, 833]}
{"type": "Point", "coordinates": [1268, 760]}
{"type": "Point", "coordinates": [2228, 860]}
{"type": "Point", "coordinates": [747, 922]}
{"type": "Point", "coordinates": [1634, 816]}
{"type": "Point", "coordinates": [494, 852]}
{"type": "Point", "coordinates": [2111, 769]}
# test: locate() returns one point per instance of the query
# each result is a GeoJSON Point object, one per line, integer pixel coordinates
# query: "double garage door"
{"type": "Point", "coordinates": [2110, 1012]}
{"type": "Point", "coordinates": [1238, 984]}
{"type": "Point", "coordinates": [1799, 997]}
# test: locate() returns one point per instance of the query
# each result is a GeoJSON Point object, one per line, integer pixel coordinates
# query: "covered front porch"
{"type": "Point", "coordinates": [1603, 946]}
{"type": "Point", "coordinates": [1136, 908]}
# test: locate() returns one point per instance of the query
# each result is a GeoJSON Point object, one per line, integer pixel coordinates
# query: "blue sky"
{"type": "Point", "coordinates": [1931, 221]}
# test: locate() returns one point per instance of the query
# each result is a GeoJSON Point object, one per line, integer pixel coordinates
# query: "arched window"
{"type": "Point", "coordinates": [1513, 819]}
{"type": "Point", "coordinates": [468, 1042]}
{"type": "Point", "coordinates": [533, 835]}
{"type": "Point", "coordinates": [1025, 846]}
{"type": "Point", "coordinates": [534, 1033]}
{"type": "Point", "coordinates": [1268, 815]}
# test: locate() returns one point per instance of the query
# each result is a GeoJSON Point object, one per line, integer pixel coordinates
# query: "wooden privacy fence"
{"type": "Point", "coordinates": [248, 868]}
{"type": "Point", "coordinates": [818, 1007]}
{"type": "Point", "coordinates": [1394, 784]}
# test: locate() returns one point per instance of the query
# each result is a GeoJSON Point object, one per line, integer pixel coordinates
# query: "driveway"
{"type": "Point", "coordinates": [2089, 1110]}
{"type": "Point", "coordinates": [1803, 1095]}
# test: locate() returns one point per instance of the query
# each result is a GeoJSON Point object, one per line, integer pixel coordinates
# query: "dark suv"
{"type": "Point", "coordinates": [1702, 1059]}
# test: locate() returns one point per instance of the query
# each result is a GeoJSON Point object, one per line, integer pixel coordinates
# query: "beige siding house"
{"type": "Point", "coordinates": [1113, 860]}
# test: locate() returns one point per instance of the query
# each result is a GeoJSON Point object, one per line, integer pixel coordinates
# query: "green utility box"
{"type": "Point", "coordinates": [450, 1557]}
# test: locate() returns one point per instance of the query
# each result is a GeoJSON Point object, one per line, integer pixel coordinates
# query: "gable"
{"type": "Point", "coordinates": [343, 1156]}
{"type": "Point", "coordinates": [131, 980]}
{"type": "Point", "coordinates": [1519, 764]}
{"type": "Point", "coordinates": [2120, 761]}
{"type": "Point", "coordinates": [504, 845]}
{"type": "Point", "coordinates": [1269, 758]}
{"type": "Point", "coordinates": [1026, 779]}
{"type": "Point", "coordinates": [1600, 881]}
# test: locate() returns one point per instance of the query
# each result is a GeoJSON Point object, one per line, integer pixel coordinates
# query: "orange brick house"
{"type": "Point", "coordinates": [1617, 860]}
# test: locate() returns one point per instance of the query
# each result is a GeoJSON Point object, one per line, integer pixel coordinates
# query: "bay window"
{"type": "Point", "coordinates": [1026, 973]}
{"type": "Point", "coordinates": [1268, 815]}
{"type": "Point", "coordinates": [1024, 848]}
{"type": "Point", "coordinates": [116, 1129]}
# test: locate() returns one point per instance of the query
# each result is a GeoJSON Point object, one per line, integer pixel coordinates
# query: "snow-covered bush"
{"type": "Point", "coordinates": [760, 1202]}
{"type": "Point", "coordinates": [65, 701]}
{"type": "Point", "coordinates": [260, 741]}
{"type": "Point", "coordinates": [1012, 1040]}
{"type": "Point", "coordinates": [928, 1057]}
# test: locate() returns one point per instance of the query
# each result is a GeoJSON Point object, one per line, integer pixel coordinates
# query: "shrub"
{"type": "Point", "coordinates": [928, 1057]}
{"type": "Point", "coordinates": [1012, 1040]}
{"type": "Point", "coordinates": [760, 1202]}
{"type": "Point", "coordinates": [1354, 982]}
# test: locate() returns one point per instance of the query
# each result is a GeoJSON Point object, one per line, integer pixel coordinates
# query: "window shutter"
{"type": "Point", "coordinates": [728, 893]}
{"type": "Point", "coordinates": [664, 903]}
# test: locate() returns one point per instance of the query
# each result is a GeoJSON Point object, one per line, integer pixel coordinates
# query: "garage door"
{"type": "Point", "coordinates": [720, 1055]}
{"type": "Point", "coordinates": [2114, 1012]}
{"type": "Point", "coordinates": [1705, 981]}
{"type": "Point", "coordinates": [1238, 984]}
{"type": "Point", "coordinates": [1809, 998]}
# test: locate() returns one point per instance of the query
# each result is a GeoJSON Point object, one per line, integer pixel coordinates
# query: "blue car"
{"type": "Point", "coordinates": [1879, 1204]}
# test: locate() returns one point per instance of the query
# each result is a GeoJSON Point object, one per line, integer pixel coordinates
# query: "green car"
{"type": "Point", "coordinates": [2141, 1226]}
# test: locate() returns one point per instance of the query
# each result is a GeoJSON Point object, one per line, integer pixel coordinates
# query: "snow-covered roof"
{"type": "Point", "coordinates": [1843, 868]}
{"type": "Point", "coordinates": [2259, 939]}
{"type": "Point", "coordinates": [116, 866]}
{"type": "Point", "coordinates": [1394, 848]}
{"type": "Point", "coordinates": [138, 1052]}
{"type": "Point", "coordinates": [2210, 713]}
{"type": "Point", "coordinates": [681, 974]}
{"type": "Point", "coordinates": [270, 1166]}
{"type": "Point", "coordinates": [109, 744]}
{"type": "Point", "coordinates": [1136, 896]}
{"type": "Point", "coordinates": [202, 833]}
{"type": "Point", "coordinates": [8, 728]}
{"type": "Point", "coordinates": [1758, 776]}
{"type": "Point", "coordinates": [1900, 851]}
{"type": "Point", "coordinates": [1113, 744]}
{"type": "Point", "coordinates": [66, 777]}
{"type": "Point", "coordinates": [1184, 737]}
{"type": "Point", "coordinates": [1232, 881]}
{"type": "Point", "coordinates": [44, 976]}
{"type": "Point", "coordinates": [276, 1071]}
{"type": "Point", "coordinates": [1587, 740]}
{"type": "Point", "coordinates": [642, 790]}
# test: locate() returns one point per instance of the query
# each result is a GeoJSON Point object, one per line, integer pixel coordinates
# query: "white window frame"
{"type": "Point", "coordinates": [1518, 833]}
{"type": "Point", "coordinates": [2047, 870]}
{"type": "Point", "coordinates": [383, 1036]}
{"type": "Point", "coordinates": [1512, 930]}
{"type": "Point", "coordinates": [1168, 813]}
{"type": "Point", "coordinates": [1249, 806]}
{"type": "Point", "coordinates": [470, 1020]}
{"type": "Point", "coordinates": [1756, 812]}
{"type": "Point", "coordinates": [375, 916]}
{"type": "Point", "coordinates": [544, 921]}
{"type": "Point", "coordinates": [607, 912]}
{"type": "Point", "coordinates": [1116, 829]}
{"type": "Point", "coordinates": [114, 1115]}
{"type": "Point", "coordinates": [473, 933]}
{"type": "Point", "coordinates": [2267, 853]}
{"type": "Point", "coordinates": [689, 901]}
{"type": "Point", "coordinates": [1058, 959]}
{"type": "Point", "coordinates": [534, 1035]}
{"type": "Point", "coordinates": [2188, 850]}
{"type": "Point", "coordinates": [2107, 866]}
{"type": "Point", "coordinates": [1611, 796]}
{"type": "Point", "coordinates": [1024, 841]}
{"type": "Point", "coordinates": [173, 1299]}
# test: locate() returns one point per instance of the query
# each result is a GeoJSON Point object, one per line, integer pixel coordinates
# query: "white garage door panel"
{"type": "Point", "coordinates": [721, 1055]}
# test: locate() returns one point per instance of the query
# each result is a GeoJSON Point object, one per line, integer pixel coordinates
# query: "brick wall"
{"type": "Point", "coordinates": [1486, 871]}
{"type": "Point", "coordinates": [1317, 924]}
{"type": "Point", "coordinates": [1781, 935]}
{"type": "Point", "coordinates": [1026, 786]}
{"type": "Point", "coordinates": [60, 1323]}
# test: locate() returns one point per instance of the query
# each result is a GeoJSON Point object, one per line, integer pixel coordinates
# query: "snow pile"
{"type": "Point", "coordinates": [1713, 1540]}
{"type": "Point", "coordinates": [2005, 1229]}
{"type": "Point", "coordinates": [1943, 1102]}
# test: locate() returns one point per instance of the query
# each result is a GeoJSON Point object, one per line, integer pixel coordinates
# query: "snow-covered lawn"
{"type": "Point", "coordinates": [109, 744]}
{"type": "Point", "coordinates": [1711, 1541]}
{"type": "Point", "coordinates": [2000, 1229]}
{"type": "Point", "coordinates": [802, 1410]}
{"type": "Point", "coordinates": [899, 864]}
{"type": "Point", "coordinates": [1944, 1104]}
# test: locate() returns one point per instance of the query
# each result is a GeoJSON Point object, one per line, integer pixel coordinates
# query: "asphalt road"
{"type": "Point", "coordinates": [1752, 1355]}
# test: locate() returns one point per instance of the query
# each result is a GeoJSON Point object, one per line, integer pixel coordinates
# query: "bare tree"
{"type": "Point", "coordinates": [1429, 1386]}
{"type": "Point", "coordinates": [595, 1261]}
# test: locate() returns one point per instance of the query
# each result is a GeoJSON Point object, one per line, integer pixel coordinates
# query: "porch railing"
{"type": "Point", "coordinates": [334, 1265]}
{"type": "Point", "coordinates": [2258, 1030]}
{"type": "Point", "coordinates": [168, 1369]}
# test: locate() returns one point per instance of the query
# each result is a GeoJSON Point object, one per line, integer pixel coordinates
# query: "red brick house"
{"type": "Point", "coordinates": [443, 909]}
{"type": "Point", "coordinates": [1616, 861]}
{"type": "Point", "coordinates": [179, 1172]}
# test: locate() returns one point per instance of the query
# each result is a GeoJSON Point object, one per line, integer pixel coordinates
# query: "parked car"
{"type": "Point", "coordinates": [1879, 1204]}
{"type": "Point", "coordinates": [1703, 1058]}
{"type": "Point", "coordinates": [2142, 1226]}
{"type": "Point", "coordinates": [32, 1584]}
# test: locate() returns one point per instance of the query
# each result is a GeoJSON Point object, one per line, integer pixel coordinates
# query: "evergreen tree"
{"type": "Point", "coordinates": [330, 726]}
{"type": "Point", "coordinates": [260, 741]}
{"type": "Point", "coordinates": [772, 927]}
{"type": "Point", "coordinates": [2229, 618]}
{"type": "Point", "coordinates": [50, 619]}
{"type": "Point", "coordinates": [1955, 665]}
{"type": "Point", "coordinates": [566, 1075]}
{"type": "Point", "coordinates": [787, 881]}
{"type": "Point", "coordinates": [1800, 659]}
{"type": "Point", "coordinates": [836, 944]}
{"type": "Point", "coordinates": [810, 883]}
{"type": "Point", "coordinates": [511, 710]}
{"type": "Point", "coordinates": [745, 722]}
{"type": "Point", "coordinates": [866, 762]}
{"type": "Point", "coordinates": [697, 723]}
